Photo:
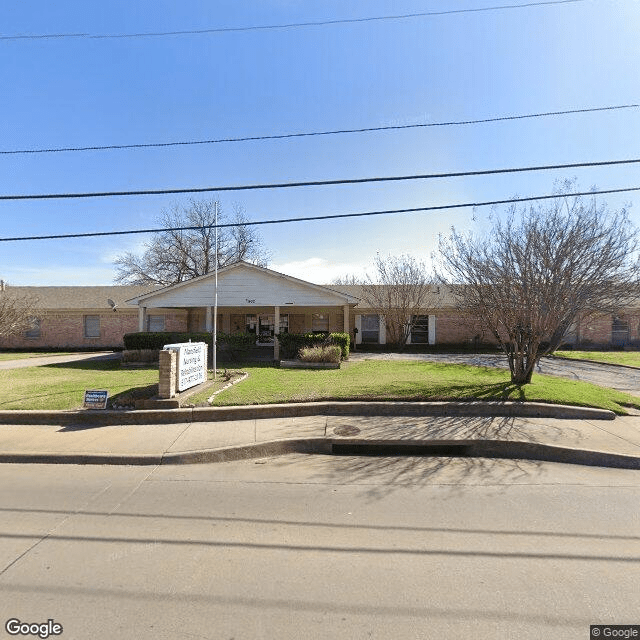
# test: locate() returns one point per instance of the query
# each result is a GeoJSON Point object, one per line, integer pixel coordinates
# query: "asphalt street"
{"type": "Point", "coordinates": [321, 547]}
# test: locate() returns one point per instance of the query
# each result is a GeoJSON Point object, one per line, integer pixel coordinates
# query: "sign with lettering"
{"type": "Point", "coordinates": [95, 399]}
{"type": "Point", "coordinates": [191, 363]}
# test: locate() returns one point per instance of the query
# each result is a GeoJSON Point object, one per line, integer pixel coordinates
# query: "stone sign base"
{"type": "Point", "coordinates": [175, 402]}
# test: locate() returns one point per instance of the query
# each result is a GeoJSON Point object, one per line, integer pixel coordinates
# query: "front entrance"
{"type": "Point", "coordinates": [263, 325]}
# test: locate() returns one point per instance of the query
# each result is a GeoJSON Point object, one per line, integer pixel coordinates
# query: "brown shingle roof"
{"type": "Point", "coordinates": [442, 295]}
{"type": "Point", "coordinates": [82, 297]}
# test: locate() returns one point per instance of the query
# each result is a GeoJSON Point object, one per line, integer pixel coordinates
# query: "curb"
{"type": "Point", "coordinates": [306, 409]}
{"type": "Point", "coordinates": [496, 449]}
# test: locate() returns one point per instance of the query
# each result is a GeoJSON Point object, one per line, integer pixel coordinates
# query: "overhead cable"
{"type": "Point", "coordinates": [290, 25]}
{"type": "Point", "coordinates": [313, 183]}
{"type": "Point", "coordinates": [464, 205]}
{"type": "Point", "coordinates": [304, 134]}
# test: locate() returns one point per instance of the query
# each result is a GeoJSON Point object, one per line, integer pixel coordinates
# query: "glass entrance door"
{"type": "Point", "coordinates": [263, 325]}
{"type": "Point", "coordinates": [266, 326]}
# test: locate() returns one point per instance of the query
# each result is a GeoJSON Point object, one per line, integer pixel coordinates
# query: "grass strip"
{"type": "Point", "coordinates": [62, 386]}
{"type": "Point", "coordinates": [378, 380]}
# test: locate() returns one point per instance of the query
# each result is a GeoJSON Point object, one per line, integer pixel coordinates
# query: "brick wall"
{"type": "Point", "coordinates": [66, 330]}
{"type": "Point", "coordinates": [62, 330]}
{"type": "Point", "coordinates": [453, 328]}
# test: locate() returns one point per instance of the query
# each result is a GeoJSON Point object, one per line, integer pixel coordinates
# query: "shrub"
{"type": "Point", "coordinates": [342, 340]}
{"type": "Point", "coordinates": [140, 355]}
{"type": "Point", "coordinates": [157, 339]}
{"type": "Point", "coordinates": [291, 343]}
{"type": "Point", "coordinates": [322, 353]}
{"type": "Point", "coordinates": [235, 345]}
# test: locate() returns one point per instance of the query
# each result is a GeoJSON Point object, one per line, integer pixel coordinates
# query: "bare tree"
{"type": "Point", "coordinates": [349, 279]}
{"type": "Point", "coordinates": [401, 290]}
{"type": "Point", "coordinates": [17, 311]}
{"type": "Point", "coordinates": [535, 272]}
{"type": "Point", "coordinates": [180, 253]}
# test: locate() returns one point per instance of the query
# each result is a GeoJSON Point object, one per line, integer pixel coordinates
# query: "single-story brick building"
{"type": "Point", "coordinates": [255, 300]}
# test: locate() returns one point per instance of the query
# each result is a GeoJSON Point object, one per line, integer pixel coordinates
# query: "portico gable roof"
{"type": "Point", "coordinates": [242, 285]}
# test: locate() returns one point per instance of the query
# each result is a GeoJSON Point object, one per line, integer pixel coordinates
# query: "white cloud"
{"type": "Point", "coordinates": [319, 270]}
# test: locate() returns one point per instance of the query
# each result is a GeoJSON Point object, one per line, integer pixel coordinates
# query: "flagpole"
{"type": "Point", "coordinates": [215, 300]}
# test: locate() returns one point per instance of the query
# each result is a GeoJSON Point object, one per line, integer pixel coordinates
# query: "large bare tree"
{"type": "Point", "coordinates": [400, 290]}
{"type": "Point", "coordinates": [17, 311]}
{"type": "Point", "coordinates": [539, 268]}
{"type": "Point", "coordinates": [179, 254]}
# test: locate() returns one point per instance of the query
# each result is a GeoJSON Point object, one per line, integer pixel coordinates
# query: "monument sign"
{"type": "Point", "coordinates": [191, 363]}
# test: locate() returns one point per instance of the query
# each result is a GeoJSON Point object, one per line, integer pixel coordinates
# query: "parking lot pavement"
{"type": "Point", "coordinates": [23, 363]}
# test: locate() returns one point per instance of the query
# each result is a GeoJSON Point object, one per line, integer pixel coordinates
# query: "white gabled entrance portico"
{"type": "Point", "coordinates": [256, 300]}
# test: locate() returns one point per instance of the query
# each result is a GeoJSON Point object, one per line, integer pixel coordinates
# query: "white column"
{"type": "Point", "coordinates": [358, 322]}
{"type": "Point", "coordinates": [142, 317]}
{"type": "Point", "coordinates": [276, 332]}
{"type": "Point", "coordinates": [432, 329]}
{"type": "Point", "coordinates": [382, 327]}
{"type": "Point", "coordinates": [208, 320]}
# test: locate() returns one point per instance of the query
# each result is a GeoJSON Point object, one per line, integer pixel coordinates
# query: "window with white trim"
{"type": "Point", "coordinates": [370, 329]}
{"type": "Point", "coordinates": [420, 330]}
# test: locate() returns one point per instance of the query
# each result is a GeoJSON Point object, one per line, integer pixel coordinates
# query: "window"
{"type": "Point", "coordinates": [619, 331]}
{"type": "Point", "coordinates": [34, 331]}
{"type": "Point", "coordinates": [370, 329]}
{"type": "Point", "coordinates": [420, 330]}
{"type": "Point", "coordinates": [155, 323]}
{"type": "Point", "coordinates": [92, 326]}
{"type": "Point", "coordinates": [320, 323]}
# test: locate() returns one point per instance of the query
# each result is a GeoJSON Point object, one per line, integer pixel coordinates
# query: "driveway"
{"type": "Point", "coordinates": [605, 375]}
{"type": "Point", "coordinates": [23, 363]}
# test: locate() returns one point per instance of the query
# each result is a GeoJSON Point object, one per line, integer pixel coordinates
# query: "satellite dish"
{"type": "Point", "coordinates": [112, 304]}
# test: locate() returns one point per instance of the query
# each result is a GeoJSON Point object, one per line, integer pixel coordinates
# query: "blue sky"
{"type": "Point", "coordinates": [86, 91]}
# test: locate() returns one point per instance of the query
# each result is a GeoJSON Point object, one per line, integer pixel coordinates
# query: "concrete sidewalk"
{"type": "Point", "coordinates": [590, 441]}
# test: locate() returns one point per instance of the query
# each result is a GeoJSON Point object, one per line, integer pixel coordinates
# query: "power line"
{"type": "Point", "coordinates": [303, 134]}
{"type": "Point", "coordinates": [314, 183]}
{"type": "Point", "coordinates": [291, 25]}
{"type": "Point", "coordinates": [326, 217]}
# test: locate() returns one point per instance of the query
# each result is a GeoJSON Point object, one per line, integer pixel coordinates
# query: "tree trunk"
{"type": "Point", "coordinates": [521, 362]}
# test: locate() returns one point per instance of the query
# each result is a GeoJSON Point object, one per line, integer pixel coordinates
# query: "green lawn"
{"type": "Point", "coordinates": [630, 358]}
{"type": "Point", "coordinates": [380, 380]}
{"type": "Point", "coordinates": [62, 386]}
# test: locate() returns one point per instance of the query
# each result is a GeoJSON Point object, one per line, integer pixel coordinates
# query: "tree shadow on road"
{"type": "Point", "coordinates": [383, 474]}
